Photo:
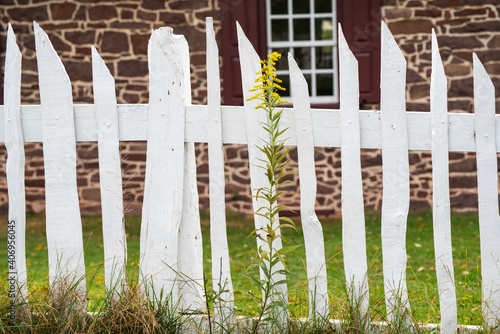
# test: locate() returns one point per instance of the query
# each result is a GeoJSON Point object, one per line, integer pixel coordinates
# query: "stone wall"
{"type": "Point", "coordinates": [120, 30]}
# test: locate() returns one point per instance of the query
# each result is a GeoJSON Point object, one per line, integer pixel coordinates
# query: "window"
{"type": "Point", "coordinates": [306, 29]}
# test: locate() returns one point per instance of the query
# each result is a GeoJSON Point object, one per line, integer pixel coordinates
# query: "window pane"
{"type": "Point", "coordinates": [282, 64]}
{"type": "Point", "coordinates": [279, 7]}
{"type": "Point", "coordinates": [302, 57]}
{"type": "Point", "coordinates": [301, 6]}
{"type": "Point", "coordinates": [324, 57]}
{"type": "Point", "coordinates": [301, 30]}
{"type": "Point", "coordinates": [324, 29]}
{"type": "Point", "coordinates": [324, 83]}
{"type": "Point", "coordinates": [279, 30]}
{"type": "Point", "coordinates": [285, 78]}
{"type": "Point", "coordinates": [323, 6]}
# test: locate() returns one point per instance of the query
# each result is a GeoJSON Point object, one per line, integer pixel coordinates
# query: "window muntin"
{"type": "Point", "coordinates": [307, 29]}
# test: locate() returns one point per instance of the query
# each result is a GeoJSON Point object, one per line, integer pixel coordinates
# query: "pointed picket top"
{"type": "Point", "coordinates": [113, 221]}
{"type": "Point", "coordinates": [353, 217]}
{"type": "Point", "coordinates": [254, 118]}
{"type": "Point", "coordinates": [221, 273]}
{"type": "Point", "coordinates": [441, 193]}
{"type": "Point", "coordinates": [63, 221]}
{"type": "Point", "coordinates": [313, 231]}
{"type": "Point", "coordinates": [396, 175]}
{"type": "Point", "coordinates": [487, 184]}
{"type": "Point", "coordinates": [14, 143]}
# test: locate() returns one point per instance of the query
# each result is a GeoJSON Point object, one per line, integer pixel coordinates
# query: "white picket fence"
{"type": "Point", "coordinates": [171, 244]}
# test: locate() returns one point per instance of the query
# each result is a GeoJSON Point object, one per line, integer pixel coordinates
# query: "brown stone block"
{"type": "Point", "coordinates": [461, 105]}
{"type": "Point", "coordinates": [136, 157]}
{"type": "Point", "coordinates": [132, 68]}
{"type": "Point", "coordinates": [140, 43]}
{"type": "Point", "coordinates": [464, 201]}
{"type": "Point", "coordinates": [467, 165]}
{"type": "Point", "coordinates": [461, 88]}
{"type": "Point", "coordinates": [28, 14]}
{"type": "Point", "coordinates": [459, 42]}
{"type": "Point", "coordinates": [428, 13]}
{"type": "Point", "coordinates": [91, 194]}
{"type": "Point", "coordinates": [153, 4]}
{"type": "Point", "coordinates": [130, 98]}
{"type": "Point", "coordinates": [411, 27]}
{"type": "Point", "coordinates": [146, 16]}
{"type": "Point", "coordinates": [131, 25]}
{"type": "Point", "coordinates": [35, 183]}
{"type": "Point", "coordinates": [478, 26]}
{"type": "Point", "coordinates": [446, 3]}
{"type": "Point", "coordinates": [454, 70]}
{"type": "Point", "coordinates": [80, 37]}
{"type": "Point", "coordinates": [419, 91]}
{"type": "Point", "coordinates": [96, 25]}
{"type": "Point", "coordinates": [81, 182]}
{"type": "Point", "coordinates": [396, 13]}
{"type": "Point", "coordinates": [470, 12]}
{"type": "Point", "coordinates": [79, 71]}
{"type": "Point", "coordinates": [102, 13]}
{"type": "Point", "coordinates": [127, 14]}
{"type": "Point", "coordinates": [188, 4]}
{"type": "Point", "coordinates": [37, 152]}
{"type": "Point", "coordinates": [172, 18]}
{"type": "Point", "coordinates": [415, 3]}
{"type": "Point", "coordinates": [114, 42]}
{"type": "Point", "coordinates": [462, 181]}
{"type": "Point", "coordinates": [62, 11]}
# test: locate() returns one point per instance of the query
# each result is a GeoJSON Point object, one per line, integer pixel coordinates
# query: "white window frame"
{"type": "Point", "coordinates": [291, 44]}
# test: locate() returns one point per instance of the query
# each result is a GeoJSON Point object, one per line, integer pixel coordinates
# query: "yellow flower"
{"type": "Point", "coordinates": [266, 84]}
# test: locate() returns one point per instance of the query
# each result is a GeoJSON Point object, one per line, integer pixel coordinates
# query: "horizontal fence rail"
{"type": "Point", "coordinates": [170, 246]}
{"type": "Point", "coordinates": [133, 118]}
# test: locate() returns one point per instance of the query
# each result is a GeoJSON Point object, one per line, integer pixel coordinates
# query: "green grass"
{"type": "Point", "coordinates": [422, 284]}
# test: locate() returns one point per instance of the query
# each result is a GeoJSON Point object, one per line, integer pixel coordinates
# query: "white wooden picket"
{"type": "Point", "coordinates": [163, 195]}
{"type": "Point", "coordinates": [441, 194]}
{"type": "Point", "coordinates": [396, 175]}
{"type": "Point", "coordinates": [63, 221]}
{"type": "Point", "coordinates": [353, 218]}
{"type": "Point", "coordinates": [190, 246]}
{"type": "Point", "coordinates": [487, 187]}
{"type": "Point", "coordinates": [311, 226]}
{"type": "Point", "coordinates": [14, 143]}
{"type": "Point", "coordinates": [221, 273]}
{"type": "Point", "coordinates": [113, 220]}
{"type": "Point", "coordinates": [171, 262]}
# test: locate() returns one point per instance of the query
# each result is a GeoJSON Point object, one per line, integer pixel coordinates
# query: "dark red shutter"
{"type": "Point", "coordinates": [251, 15]}
{"type": "Point", "coordinates": [360, 20]}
